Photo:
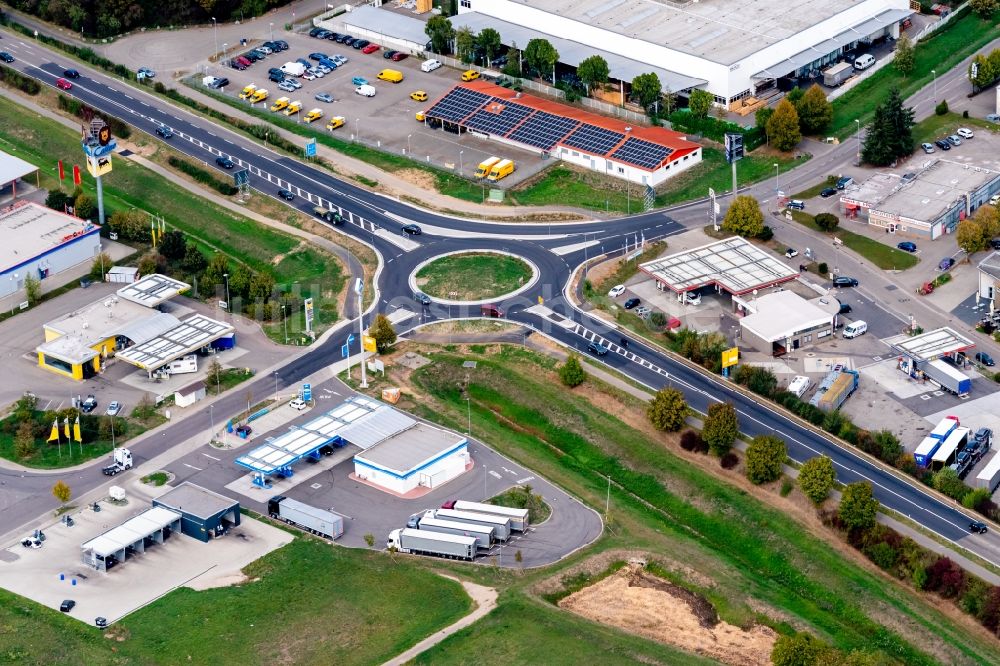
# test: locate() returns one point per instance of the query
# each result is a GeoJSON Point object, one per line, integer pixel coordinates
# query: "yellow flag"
{"type": "Point", "coordinates": [54, 435]}
{"type": "Point", "coordinates": [368, 343]}
{"type": "Point", "coordinates": [76, 430]}
{"type": "Point", "coordinates": [66, 427]}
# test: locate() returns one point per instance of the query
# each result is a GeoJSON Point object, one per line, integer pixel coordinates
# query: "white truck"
{"type": "Point", "coordinates": [518, 517]}
{"type": "Point", "coordinates": [432, 543]}
{"type": "Point", "coordinates": [293, 68]}
{"type": "Point", "coordinates": [499, 524]}
{"type": "Point", "coordinates": [121, 460]}
{"type": "Point", "coordinates": [317, 521]}
{"type": "Point", "coordinates": [482, 533]}
{"type": "Point", "coordinates": [181, 366]}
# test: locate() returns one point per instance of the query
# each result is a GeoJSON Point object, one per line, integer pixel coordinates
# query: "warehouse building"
{"type": "Point", "coordinates": [421, 456]}
{"type": "Point", "coordinates": [42, 243]}
{"type": "Point", "coordinates": [204, 514]}
{"type": "Point", "coordinates": [924, 204]}
{"type": "Point", "coordinates": [644, 155]}
{"type": "Point", "coordinates": [782, 321]}
{"type": "Point", "coordinates": [722, 46]}
{"type": "Point", "coordinates": [135, 535]}
{"type": "Point", "coordinates": [13, 171]}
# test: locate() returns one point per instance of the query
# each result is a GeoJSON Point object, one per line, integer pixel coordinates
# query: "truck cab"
{"type": "Point", "coordinates": [121, 461]}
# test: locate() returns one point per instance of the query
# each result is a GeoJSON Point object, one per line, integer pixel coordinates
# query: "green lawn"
{"type": "Point", "coordinates": [671, 507]}
{"type": "Point", "coordinates": [310, 603]}
{"type": "Point", "coordinates": [881, 255]}
{"type": "Point", "coordinates": [942, 51]}
{"type": "Point", "coordinates": [517, 498]}
{"type": "Point", "coordinates": [935, 127]}
{"type": "Point", "coordinates": [473, 276]}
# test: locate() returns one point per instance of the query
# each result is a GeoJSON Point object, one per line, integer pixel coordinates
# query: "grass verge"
{"type": "Point", "coordinates": [521, 497]}
{"type": "Point", "coordinates": [473, 276]}
{"type": "Point", "coordinates": [881, 255]}
{"type": "Point", "coordinates": [935, 127]}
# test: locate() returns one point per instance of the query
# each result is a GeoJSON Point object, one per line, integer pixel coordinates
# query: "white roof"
{"type": "Point", "coordinates": [12, 168]}
{"type": "Point", "coordinates": [361, 421]}
{"type": "Point", "coordinates": [390, 24]}
{"type": "Point", "coordinates": [957, 436]}
{"type": "Point", "coordinates": [991, 265]}
{"type": "Point", "coordinates": [131, 531]}
{"type": "Point", "coordinates": [734, 264]}
{"type": "Point", "coordinates": [30, 230]}
{"type": "Point", "coordinates": [412, 449]}
{"type": "Point", "coordinates": [189, 335]}
{"type": "Point", "coordinates": [153, 289]}
{"type": "Point", "coordinates": [991, 468]}
{"type": "Point", "coordinates": [932, 344]}
{"type": "Point", "coordinates": [781, 314]}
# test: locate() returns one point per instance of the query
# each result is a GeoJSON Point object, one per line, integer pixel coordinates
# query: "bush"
{"type": "Point", "coordinates": [822, 269]}
{"type": "Point", "coordinates": [759, 380]}
{"type": "Point", "coordinates": [658, 319]}
{"type": "Point", "coordinates": [765, 457]}
{"type": "Point", "coordinates": [16, 79]}
{"type": "Point", "coordinates": [202, 175]}
{"type": "Point", "coordinates": [946, 578]}
{"type": "Point", "coordinates": [947, 481]}
{"type": "Point", "coordinates": [57, 200]}
{"type": "Point", "coordinates": [667, 410]}
{"type": "Point", "coordinates": [721, 427]}
{"type": "Point", "coordinates": [883, 555]}
{"type": "Point", "coordinates": [826, 221]}
{"type": "Point", "coordinates": [858, 508]}
{"type": "Point", "coordinates": [729, 461]}
{"type": "Point", "coordinates": [571, 372]}
{"type": "Point", "coordinates": [118, 127]}
{"type": "Point", "coordinates": [692, 441]}
{"type": "Point", "coordinates": [766, 234]}
{"type": "Point", "coordinates": [816, 478]}
{"type": "Point", "coordinates": [942, 108]}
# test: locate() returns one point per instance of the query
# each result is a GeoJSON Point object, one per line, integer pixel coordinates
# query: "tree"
{"type": "Point", "coordinates": [218, 267]}
{"type": "Point", "coordinates": [465, 44]}
{"type": "Point", "coordinates": [700, 102]}
{"type": "Point", "coordinates": [984, 8]}
{"type": "Point", "coordinates": [62, 492]}
{"type": "Point", "coordinates": [513, 65]}
{"type": "Point", "coordinates": [542, 57]}
{"type": "Point", "coordinates": [721, 427]}
{"type": "Point", "coordinates": [815, 111]}
{"type": "Point", "coordinates": [941, 108]}
{"type": "Point", "coordinates": [593, 71]}
{"type": "Point", "coordinates": [571, 372]}
{"type": "Point", "coordinates": [57, 200]}
{"type": "Point", "coordinates": [101, 263]}
{"type": "Point", "coordinates": [795, 95]}
{"type": "Point", "coordinates": [816, 478]}
{"type": "Point", "coordinates": [441, 32]}
{"type": "Point", "coordinates": [890, 134]}
{"type": "Point", "coordinates": [761, 117]}
{"type": "Point", "coordinates": [24, 440]}
{"type": "Point", "coordinates": [744, 217]}
{"type": "Point", "coordinates": [488, 41]}
{"type": "Point", "coordinates": [174, 245]}
{"type": "Point", "coordinates": [32, 289]}
{"type": "Point", "coordinates": [152, 262]}
{"type": "Point", "coordinates": [130, 225]}
{"type": "Point", "coordinates": [783, 126]}
{"type": "Point", "coordinates": [646, 88]}
{"type": "Point", "coordinates": [858, 507]}
{"type": "Point", "coordinates": [215, 373]}
{"type": "Point", "coordinates": [239, 281]}
{"type": "Point", "coordinates": [194, 261]}
{"type": "Point", "coordinates": [667, 409]}
{"type": "Point", "coordinates": [261, 286]}
{"type": "Point", "coordinates": [765, 456]}
{"type": "Point", "coordinates": [975, 233]}
{"type": "Point", "coordinates": [383, 332]}
{"type": "Point", "coordinates": [904, 59]}
{"type": "Point", "coordinates": [826, 221]}
{"type": "Point", "coordinates": [84, 206]}
{"type": "Point", "coordinates": [801, 649]}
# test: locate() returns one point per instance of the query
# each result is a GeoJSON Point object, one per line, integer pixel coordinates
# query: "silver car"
{"type": "Point", "coordinates": [317, 72]}
{"type": "Point", "coordinates": [324, 97]}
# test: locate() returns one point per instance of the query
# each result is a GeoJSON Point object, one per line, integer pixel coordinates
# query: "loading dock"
{"type": "Point", "coordinates": [204, 514]}
{"type": "Point", "coordinates": [152, 526]}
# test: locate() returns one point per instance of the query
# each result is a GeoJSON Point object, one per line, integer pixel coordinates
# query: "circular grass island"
{"type": "Point", "coordinates": [473, 276]}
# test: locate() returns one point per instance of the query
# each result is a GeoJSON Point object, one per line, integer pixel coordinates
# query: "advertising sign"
{"type": "Point", "coordinates": [308, 304]}
{"type": "Point", "coordinates": [730, 357]}
{"type": "Point", "coordinates": [98, 166]}
{"type": "Point", "coordinates": [368, 342]}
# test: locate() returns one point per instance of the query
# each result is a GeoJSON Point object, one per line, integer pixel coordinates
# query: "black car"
{"type": "Point", "coordinates": [907, 246]}
{"type": "Point", "coordinates": [89, 405]}
{"type": "Point", "coordinates": [597, 348]}
{"type": "Point", "coordinates": [252, 56]}
{"type": "Point", "coordinates": [843, 281]}
{"type": "Point", "coordinates": [422, 298]}
{"type": "Point", "coordinates": [71, 74]}
{"type": "Point", "coordinates": [360, 43]}
{"type": "Point", "coordinates": [334, 36]}
{"type": "Point", "coordinates": [286, 195]}
{"type": "Point", "coordinates": [942, 144]}
{"type": "Point", "coordinates": [224, 162]}
{"type": "Point", "coordinates": [164, 132]}
{"type": "Point", "coordinates": [828, 192]}
{"type": "Point", "coordinates": [845, 308]}
{"type": "Point", "coordinates": [977, 527]}
{"type": "Point", "coordinates": [411, 229]}
{"type": "Point", "coordinates": [322, 34]}
{"type": "Point", "coordinates": [388, 54]}
{"type": "Point", "coordinates": [282, 44]}
{"type": "Point", "coordinates": [983, 439]}
{"type": "Point", "coordinates": [236, 64]}
{"type": "Point", "coordinates": [985, 359]}
{"type": "Point", "coordinates": [244, 431]}
{"type": "Point", "coordinates": [995, 243]}
{"type": "Point", "coordinates": [277, 77]}
{"type": "Point", "coordinates": [843, 182]}
{"type": "Point", "coordinates": [67, 605]}
{"type": "Point", "coordinates": [275, 70]}
{"type": "Point", "coordinates": [315, 32]}
{"type": "Point", "coordinates": [631, 303]}
{"type": "Point", "coordinates": [220, 82]}
{"type": "Point", "coordinates": [342, 38]}
{"type": "Point", "coordinates": [6, 57]}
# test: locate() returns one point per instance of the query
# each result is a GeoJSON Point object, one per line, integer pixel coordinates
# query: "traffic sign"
{"type": "Point", "coordinates": [307, 392]}
{"type": "Point", "coordinates": [311, 148]}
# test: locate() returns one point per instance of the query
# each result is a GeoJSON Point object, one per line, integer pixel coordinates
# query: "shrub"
{"type": "Point", "coordinates": [765, 457]}
{"type": "Point", "coordinates": [692, 441]}
{"type": "Point", "coordinates": [721, 427]}
{"type": "Point", "coordinates": [883, 555]}
{"type": "Point", "coordinates": [658, 319]}
{"type": "Point", "coordinates": [766, 233]}
{"type": "Point", "coordinates": [571, 372]}
{"type": "Point", "coordinates": [946, 578]}
{"type": "Point", "coordinates": [667, 410]}
{"type": "Point", "coordinates": [57, 200]}
{"type": "Point", "coordinates": [202, 175]}
{"type": "Point", "coordinates": [942, 108]}
{"type": "Point", "coordinates": [822, 269]}
{"type": "Point", "coordinates": [858, 508]}
{"type": "Point", "coordinates": [729, 460]}
{"type": "Point", "coordinates": [826, 221]}
{"type": "Point", "coordinates": [16, 79]}
{"type": "Point", "coordinates": [787, 485]}
{"type": "Point", "coordinates": [947, 481]}
{"type": "Point", "coordinates": [816, 478]}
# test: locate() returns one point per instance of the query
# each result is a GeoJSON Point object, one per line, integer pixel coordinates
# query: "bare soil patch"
{"type": "Point", "coordinates": [421, 179]}
{"type": "Point", "coordinates": [641, 603]}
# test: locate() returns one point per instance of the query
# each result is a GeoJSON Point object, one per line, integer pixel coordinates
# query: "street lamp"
{"type": "Point", "coordinates": [777, 187]}
{"type": "Point", "coordinates": [858, 136]}
{"type": "Point", "coordinates": [276, 386]}
{"type": "Point", "coordinates": [272, 31]}
{"type": "Point", "coordinates": [357, 128]}
{"type": "Point", "coordinates": [408, 149]}
{"type": "Point", "coordinates": [934, 74]}
{"type": "Point", "coordinates": [229, 306]}
{"type": "Point", "coordinates": [215, 32]}
{"type": "Point", "coordinates": [461, 162]}
{"type": "Point", "coordinates": [285, 320]}
{"type": "Point", "coordinates": [211, 415]}
{"type": "Point", "coordinates": [359, 289]}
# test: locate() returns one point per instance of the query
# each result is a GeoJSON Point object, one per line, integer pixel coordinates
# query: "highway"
{"type": "Point", "coordinates": [556, 250]}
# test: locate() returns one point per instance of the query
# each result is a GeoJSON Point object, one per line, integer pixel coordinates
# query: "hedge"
{"type": "Point", "coordinates": [203, 175]}
{"type": "Point", "coordinates": [16, 79]}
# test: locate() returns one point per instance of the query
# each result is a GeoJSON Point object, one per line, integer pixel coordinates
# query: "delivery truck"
{"type": "Point", "coordinates": [835, 389]}
{"type": "Point", "coordinates": [925, 451]}
{"type": "Point", "coordinates": [482, 533]}
{"type": "Point", "coordinates": [420, 542]}
{"type": "Point", "coordinates": [485, 166]}
{"type": "Point", "coordinates": [948, 377]}
{"type": "Point", "coordinates": [501, 170]}
{"type": "Point", "coordinates": [837, 74]}
{"type": "Point", "coordinates": [499, 524]}
{"type": "Point", "coordinates": [316, 521]}
{"type": "Point", "coordinates": [989, 476]}
{"type": "Point", "coordinates": [518, 517]}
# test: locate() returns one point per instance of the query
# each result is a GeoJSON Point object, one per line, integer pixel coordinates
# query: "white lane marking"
{"type": "Point", "coordinates": [212, 457]}
{"type": "Point", "coordinates": [193, 467]}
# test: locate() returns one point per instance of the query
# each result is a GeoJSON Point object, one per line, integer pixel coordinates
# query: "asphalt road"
{"type": "Point", "coordinates": [377, 220]}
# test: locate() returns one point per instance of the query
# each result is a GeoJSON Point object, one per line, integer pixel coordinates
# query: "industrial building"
{"type": "Point", "coordinates": [152, 526]}
{"type": "Point", "coordinates": [644, 155]}
{"type": "Point", "coordinates": [924, 204]}
{"type": "Point", "coordinates": [421, 456]}
{"type": "Point", "coordinates": [127, 326]}
{"type": "Point", "coordinates": [989, 278]}
{"type": "Point", "coordinates": [782, 321]}
{"type": "Point", "coordinates": [204, 514]}
{"type": "Point", "coordinates": [734, 266]}
{"type": "Point", "coordinates": [42, 243]}
{"type": "Point", "coordinates": [13, 170]}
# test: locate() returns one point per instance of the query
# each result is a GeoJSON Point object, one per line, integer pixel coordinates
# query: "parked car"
{"type": "Point", "coordinates": [359, 81]}
{"type": "Point", "coordinates": [946, 263]}
{"type": "Point", "coordinates": [977, 527]}
{"type": "Point", "coordinates": [282, 44]}
{"type": "Point", "coordinates": [411, 229]}
{"type": "Point", "coordinates": [342, 39]}
{"type": "Point", "coordinates": [294, 84]}
{"type": "Point", "coordinates": [63, 84]}
{"type": "Point", "coordinates": [114, 408]}
{"type": "Point", "coordinates": [244, 431]}
{"type": "Point", "coordinates": [631, 303]}
{"type": "Point", "coordinates": [219, 82]}
{"type": "Point", "coordinates": [828, 192]}
{"type": "Point", "coordinates": [954, 140]}
{"type": "Point", "coordinates": [225, 162]}
{"type": "Point", "coordinates": [993, 117]}
{"type": "Point", "coordinates": [418, 96]}
{"type": "Point", "coordinates": [164, 132]}
{"type": "Point", "coordinates": [360, 43]}
{"type": "Point", "coordinates": [6, 57]}
{"type": "Point", "coordinates": [942, 144]}
{"type": "Point", "coordinates": [67, 605]}
{"type": "Point", "coordinates": [843, 182]}
{"type": "Point", "coordinates": [430, 65]}
{"type": "Point", "coordinates": [844, 281]}
{"type": "Point", "coordinates": [324, 97]}
{"type": "Point", "coordinates": [597, 348]}
{"type": "Point", "coordinates": [89, 404]}
{"type": "Point", "coordinates": [277, 77]}
{"type": "Point", "coordinates": [928, 148]}
{"type": "Point", "coordinates": [983, 439]}
{"type": "Point", "coordinates": [388, 54]}
{"type": "Point", "coordinates": [285, 194]}
{"type": "Point", "coordinates": [796, 204]}
{"type": "Point", "coordinates": [791, 252]}
{"type": "Point", "coordinates": [334, 36]}
{"type": "Point", "coordinates": [235, 63]}
{"type": "Point", "coordinates": [995, 243]}
{"type": "Point", "coordinates": [146, 72]}
{"type": "Point", "coordinates": [298, 404]}
{"type": "Point", "coordinates": [692, 298]}
{"type": "Point", "coordinates": [287, 86]}
{"type": "Point", "coordinates": [316, 71]}
{"type": "Point", "coordinates": [845, 308]}
{"type": "Point", "coordinates": [317, 56]}
{"type": "Point", "coordinates": [470, 75]}
{"type": "Point", "coordinates": [617, 291]}
{"type": "Point", "coordinates": [985, 359]}
{"type": "Point", "coordinates": [399, 55]}
{"type": "Point", "coordinates": [340, 59]}
{"type": "Point", "coordinates": [371, 48]}
{"type": "Point", "coordinates": [71, 74]}
{"type": "Point", "coordinates": [308, 76]}
{"type": "Point", "coordinates": [315, 32]}
{"type": "Point", "coordinates": [964, 132]}
{"type": "Point", "coordinates": [907, 246]}
{"type": "Point", "coordinates": [335, 122]}
{"type": "Point", "coordinates": [365, 91]}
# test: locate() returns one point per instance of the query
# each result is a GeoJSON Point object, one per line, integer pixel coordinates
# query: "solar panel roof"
{"type": "Point", "coordinates": [457, 104]}
{"type": "Point", "coordinates": [543, 130]}
{"type": "Point", "coordinates": [593, 139]}
{"type": "Point", "coordinates": [499, 120]}
{"type": "Point", "coordinates": [642, 153]}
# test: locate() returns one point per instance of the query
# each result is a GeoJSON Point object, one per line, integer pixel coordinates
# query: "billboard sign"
{"type": "Point", "coordinates": [730, 357]}
{"type": "Point", "coordinates": [308, 304]}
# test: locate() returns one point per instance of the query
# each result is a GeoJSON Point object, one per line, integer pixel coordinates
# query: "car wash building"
{"type": "Point", "coordinates": [204, 514]}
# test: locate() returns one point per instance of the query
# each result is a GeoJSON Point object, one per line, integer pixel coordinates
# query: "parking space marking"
{"type": "Point", "coordinates": [212, 457]}
{"type": "Point", "coordinates": [193, 467]}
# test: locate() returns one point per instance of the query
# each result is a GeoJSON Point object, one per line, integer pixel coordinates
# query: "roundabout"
{"type": "Point", "coordinates": [473, 276]}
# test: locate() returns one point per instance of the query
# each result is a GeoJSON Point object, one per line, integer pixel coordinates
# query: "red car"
{"type": "Point", "coordinates": [63, 84]}
{"type": "Point", "coordinates": [371, 48]}
{"type": "Point", "coordinates": [396, 57]}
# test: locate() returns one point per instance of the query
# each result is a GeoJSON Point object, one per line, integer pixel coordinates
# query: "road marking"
{"type": "Point", "coordinates": [212, 457]}
{"type": "Point", "coordinates": [193, 467]}
{"type": "Point", "coordinates": [495, 474]}
{"type": "Point", "coordinates": [523, 481]}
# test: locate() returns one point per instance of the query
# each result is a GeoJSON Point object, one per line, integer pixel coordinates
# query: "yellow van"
{"type": "Point", "coordinates": [335, 122]}
{"type": "Point", "coordinates": [500, 170]}
{"type": "Point", "coordinates": [391, 75]}
{"type": "Point", "coordinates": [486, 166]}
{"type": "Point", "coordinates": [420, 116]}
{"type": "Point", "coordinates": [293, 108]}
{"type": "Point", "coordinates": [259, 95]}
{"type": "Point", "coordinates": [248, 91]}
{"type": "Point", "coordinates": [315, 114]}
{"type": "Point", "coordinates": [470, 75]}
{"type": "Point", "coordinates": [279, 104]}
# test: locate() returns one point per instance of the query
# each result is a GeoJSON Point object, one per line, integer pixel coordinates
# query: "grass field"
{"type": "Point", "coordinates": [473, 276]}
{"type": "Point", "coordinates": [946, 48]}
{"type": "Point", "coordinates": [935, 127]}
{"type": "Point", "coordinates": [884, 256]}
{"type": "Point", "coordinates": [310, 603]}
{"type": "Point", "coordinates": [681, 512]}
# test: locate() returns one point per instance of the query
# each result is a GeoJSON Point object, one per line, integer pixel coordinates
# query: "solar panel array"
{"type": "Point", "coordinates": [642, 153]}
{"type": "Point", "coordinates": [543, 130]}
{"type": "Point", "coordinates": [500, 123]}
{"type": "Point", "coordinates": [594, 139]}
{"type": "Point", "coordinates": [458, 104]}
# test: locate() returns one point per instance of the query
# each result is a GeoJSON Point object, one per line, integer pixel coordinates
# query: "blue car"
{"type": "Point", "coordinates": [359, 81]}
{"type": "Point", "coordinates": [907, 246]}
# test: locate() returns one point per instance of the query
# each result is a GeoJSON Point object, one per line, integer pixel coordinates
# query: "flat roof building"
{"type": "Point", "coordinates": [152, 526]}
{"type": "Point", "coordinates": [13, 169]}
{"type": "Point", "coordinates": [421, 456]}
{"type": "Point", "coordinates": [923, 204]}
{"type": "Point", "coordinates": [782, 321]}
{"type": "Point", "coordinates": [204, 514]}
{"type": "Point", "coordinates": [989, 278]}
{"type": "Point", "coordinates": [42, 243]}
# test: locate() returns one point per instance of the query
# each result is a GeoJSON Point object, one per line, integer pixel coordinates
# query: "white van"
{"type": "Point", "coordinates": [854, 329]}
{"type": "Point", "coordinates": [864, 62]}
{"type": "Point", "coordinates": [430, 65]}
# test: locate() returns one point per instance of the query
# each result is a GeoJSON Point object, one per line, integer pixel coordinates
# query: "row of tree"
{"type": "Point", "coordinates": [986, 68]}
{"type": "Point", "coordinates": [801, 112]}
{"type": "Point", "coordinates": [975, 233]}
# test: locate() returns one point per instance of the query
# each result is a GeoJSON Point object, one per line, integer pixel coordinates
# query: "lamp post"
{"type": "Point", "coordinates": [858, 136]}
{"type": "Point", "coordinates": [777, 187]}
{"type": "Point", "coordinates": [285, 320]}
{"type": "Point", "coordinates": [215, 33]}
{"type": "Point", "coordinates": [359, 289]}
{"type": "Point", "coordinates": [357, 128]}
{"type": "Point", "coordinates": [211, 415]}
{"type": "Point", "coordinates": [272, 31]}
{"type": "Point", "coordinates": [468, 406]}
{"type": "Point", "coordinates": [934, 74]}
{"type": "Point", "coordinates": [461, 162]}
{"type": "Point", "coordinates": [229, 306]}
{"type": "Point", "coordinates": [276, 386]}
{"type": "Point", "coordinates": [408, 149]}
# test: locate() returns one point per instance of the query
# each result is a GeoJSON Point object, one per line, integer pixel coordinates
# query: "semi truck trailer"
{"type": "Point", "coordinates": [518, 517]}
{"type": "Point", "coordinates": [837, 74]}
{"type": "Point", "coordinates": [420, 542]}
{"type": "Point", "coordinates": [500, 525]}
{"type": "Point", "coordinates": [948, 377]}
{"type": "Point", "coordinates": [313, 520]}
{"type": "Point", "coordinates": [835, 389]}
{"type": "Point", "coordinates": [482, 533]}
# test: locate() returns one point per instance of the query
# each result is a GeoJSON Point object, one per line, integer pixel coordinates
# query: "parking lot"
{"type": "Point", "coordinates": [385, 121]}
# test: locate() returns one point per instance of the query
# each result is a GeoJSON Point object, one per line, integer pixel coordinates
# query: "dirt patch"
{"type": "Point", "coordinates": [280, 257]}
{"type": "Point", "coordinates": [421, 179]}
{"type": "Point", "coordinates": [598, 563]}
{"type": "Point", "coordinates": [641, 603]}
